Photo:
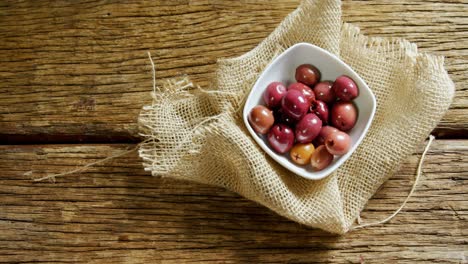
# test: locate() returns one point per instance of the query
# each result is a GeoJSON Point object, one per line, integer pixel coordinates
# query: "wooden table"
{"type": "Point", "coordinates": [74, 76]}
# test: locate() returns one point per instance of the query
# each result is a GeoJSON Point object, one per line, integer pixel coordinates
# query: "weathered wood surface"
{"type": "Point", "coordinates": [117, 213]}
{"type": "Point", "coordinates": [78, 71]}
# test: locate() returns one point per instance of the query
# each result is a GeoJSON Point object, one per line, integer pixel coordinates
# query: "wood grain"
{"type": "Point", "coordinates": [116, 212]}
{"type": "Point", "coordinates": [78, 72]}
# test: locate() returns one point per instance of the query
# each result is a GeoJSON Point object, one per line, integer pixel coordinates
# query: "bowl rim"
{"type": "Point", "coordinates": [288, 164]}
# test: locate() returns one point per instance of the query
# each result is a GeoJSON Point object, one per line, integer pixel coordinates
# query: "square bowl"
{"type": "Point", "coordinates": [282, 69]}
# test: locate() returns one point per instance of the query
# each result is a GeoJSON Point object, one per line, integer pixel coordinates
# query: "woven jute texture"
{"type": "Point", "coordinates": [197, 134]}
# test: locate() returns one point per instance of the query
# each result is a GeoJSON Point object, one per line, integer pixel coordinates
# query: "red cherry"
{"type": "Point", "coordinates": [338, 143]}
{"type": "Point", "coordinates": [308, 128]}
{"type": "Point", "coordinates": [281, 138]}
{"type": "Point", "coordinates": [320, 108]}
{"type": "Point", "coordinates": [261, 119]}
{"type": "Point", "coordinates": [345, 88]}
{"type": "Point", "coordinates": [273, 94]}
{"type": "Point", "coordinates": [307, 74]}
{"type": "Point", "coordinates": [321, 158]}
{"type": "Point", "coordinates": [344, 115]}
{"type": "Point", "coordinates": [323, 91]}
{"type": "Point", "coordinates": [294, 104]}
{"type": "Point", "coordinates": [304, 89]}
{"type": "Point", "coordinates": [324, 132]}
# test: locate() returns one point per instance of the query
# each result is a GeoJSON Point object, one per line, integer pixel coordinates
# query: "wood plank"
{"type": "Point", "coordinates": [78, 71]}
{"type": "Point", "coordinates": [116, 212]}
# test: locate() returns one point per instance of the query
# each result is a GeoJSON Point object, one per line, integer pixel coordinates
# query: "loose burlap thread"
{"type": "Point", "coordinates": [198, 135]}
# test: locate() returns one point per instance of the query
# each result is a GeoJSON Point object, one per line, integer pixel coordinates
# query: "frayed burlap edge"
{"type": "Point", "coordinates": [189, 133]}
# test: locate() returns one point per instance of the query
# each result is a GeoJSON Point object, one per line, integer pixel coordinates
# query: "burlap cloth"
{"type": "Point", "coordinates": [197, 134]}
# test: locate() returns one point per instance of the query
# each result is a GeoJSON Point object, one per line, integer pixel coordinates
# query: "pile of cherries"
{"type": "Point", "coordinates": [309, 118]}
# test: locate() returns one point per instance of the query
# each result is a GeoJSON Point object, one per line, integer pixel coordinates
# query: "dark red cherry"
{"type": "Point", "coordinates": [345, 88]}
{"type": "Point", "coordinates": [307, 74]}
{"type": "Point", "coordinates": [320, 108]}
{"type": "Point", "coordinates": [294, 104]}
{"type": "Point", "coordinates": [304, 89]}
{"type": "Point", "coordinates": [281, 138]}
{"type": "Point", "coordinates": [273, 94]}
{"type": "Point", "coordinates": [323, 91]}
{"type": "Point", "coordinates": [308, 128]}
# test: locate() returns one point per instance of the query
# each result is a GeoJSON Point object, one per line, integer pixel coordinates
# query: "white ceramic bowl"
{"type": "Point", "coordinates": [283, 69]}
